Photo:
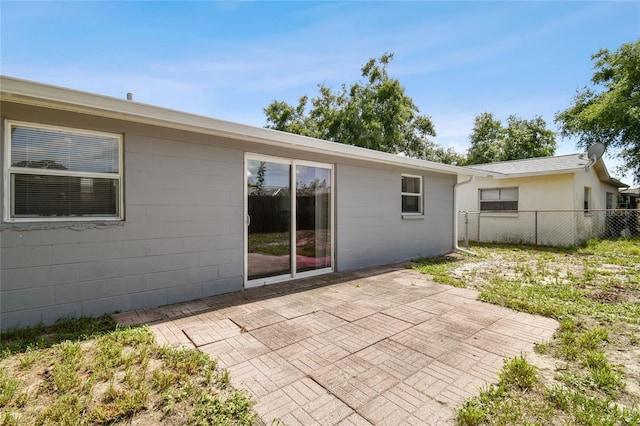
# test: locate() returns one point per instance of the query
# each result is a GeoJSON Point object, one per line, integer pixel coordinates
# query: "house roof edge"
{"type": "Point", "coordinates": [38, 94]}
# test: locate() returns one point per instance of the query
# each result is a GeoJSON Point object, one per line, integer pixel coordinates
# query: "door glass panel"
{"type": "Point", "coordinates": [313, 218]}
{"type": "Point", "coordinates": [269, 209]}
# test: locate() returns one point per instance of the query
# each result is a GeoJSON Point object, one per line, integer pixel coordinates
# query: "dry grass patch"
{"type": "Point", "coordinates": [590, 371]}
{"type": "Point", "coordinates": [122, 376]}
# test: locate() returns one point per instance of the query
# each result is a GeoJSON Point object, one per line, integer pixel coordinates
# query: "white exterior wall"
{"type": "Point", "coordinates": [534, 193]}
{"type": "Point", "coordinates": [371, 229]}
{"type": "Point", "coordinates": [590, 225]}
{"type": "Point", "coordinates": [549, 195]}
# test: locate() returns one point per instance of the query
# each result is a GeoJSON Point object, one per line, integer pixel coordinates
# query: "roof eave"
{"type": "Point", "coordinates": [37, 94]}
{"type": "Point", "coordinates": [498, 175]}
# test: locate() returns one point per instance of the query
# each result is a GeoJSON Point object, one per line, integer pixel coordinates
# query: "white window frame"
{"type": "Point", "coordinates": [587, 200]}
{"type": "Point", "coordinates": [293, 163]}
{"type": "Point", "coordinates": [498, 212]}
{"type": "Point", "coordinates": [610, 196]}
{"type": "Point", "coordinates": [8, 202]}
{"type": "Point", "coordinates": [418, 195]}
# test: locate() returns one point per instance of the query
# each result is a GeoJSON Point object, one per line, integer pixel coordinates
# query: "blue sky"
{"type": "Point", "coordinates": [231, 59]}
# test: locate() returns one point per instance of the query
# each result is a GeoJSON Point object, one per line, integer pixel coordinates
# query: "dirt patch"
{"type": "Point", "coordinates": [607, 297]}
{"type": "Point", "coordinates": [614, 285]}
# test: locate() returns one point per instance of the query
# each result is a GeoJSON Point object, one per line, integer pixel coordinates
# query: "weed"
{"type": "Point", "coordinates": [223, 378]}
{"type": "Point", "coordinates": [519, 373]}
{"type": "Point", "coordinates": [9, 419]}
{"type": "Point", "coordinates": [593, 293]}
{"type": "Point", "coordinates": [607, 379]}
{"type": "Point", "coordinates": [162, 380]}
{"type": "Point", "coordinates": [38, 336]}
{"type": "Point", "coordinates": [31, 355]}
{"type": "Point", "coordinates": [473, 412]}
{"type": "Point", "coordinates": [65, 410]}
{"type": "Point", "coordinates": [439, 268]}
{"type": "Point", "coordinates": [8, 387]}
{"type": "Point", "coordinates": [113, 378]}
{"type": "Point", "coordinates": [595, 359]}
{"type": "Point", "coordinates": [541, 348]}
{"type": "Point", "coordinates": [214, 409]}
{"type": "Point", "coordinates": [65, 377]}
{"type": "Point", "coordinates": [594, 338]}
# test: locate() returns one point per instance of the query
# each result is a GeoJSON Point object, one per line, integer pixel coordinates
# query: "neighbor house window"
{"type": "Point", "coordinates": [57, 173]}
{"type": "Point", "coordinates": [411, 194]}
{"type": "Point", "coordinates": [499, 199]}
{"type": "Point", "coordinates": [610, 204]}
{"type": "Point", "coordinates": [587, 199]}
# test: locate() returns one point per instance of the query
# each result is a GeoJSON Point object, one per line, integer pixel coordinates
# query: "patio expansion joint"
{"type": "Point", "coordinates": [190, 339]}
{"type": "Point", "coordinates": [329, 392]}
{"type": "Point", "coordinates": [241, 327]}
{"type": "Point", "coordinates": [398, 319]}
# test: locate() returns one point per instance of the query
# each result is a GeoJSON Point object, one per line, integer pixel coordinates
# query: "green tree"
{"type": "Point", "coordinates": [487, 140]}
{"type": "Point", "coordinates": [374, 113]}
{"type": "Point", "coordinates": [491, 141]}
{"type": "Point", "coordinates": [528, 139]}
{"type": "Point", "coordinates": [609, 110]}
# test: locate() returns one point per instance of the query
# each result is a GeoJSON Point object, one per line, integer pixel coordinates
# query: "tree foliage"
{"type": "Point", "coordinates": [609, 110]}
{"type": "Point", "coordinates": [521, 138]}
{"type": "Point", "coordinates": [528, 139]}
{"type": "Point", "coordinates": [374, 113]}
{"type": "Point", "coordinates": [487, 140]}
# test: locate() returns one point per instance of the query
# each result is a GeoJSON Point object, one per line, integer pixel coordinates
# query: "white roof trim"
{"type": "Point", "coordinates": [607, 179]}
{"type": "Point", "coordinates": [498, 175]}
{"type": "Point", "coordinates": [38, 94]}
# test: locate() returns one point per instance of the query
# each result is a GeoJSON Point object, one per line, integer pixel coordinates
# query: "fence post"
{"type": "Point", "coordinates": [466, 229]}
{"type": "Point", "coordinates": [536, 226]}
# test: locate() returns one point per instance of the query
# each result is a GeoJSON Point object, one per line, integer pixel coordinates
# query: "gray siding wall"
{"type": "Point", "coordinates": [371, 230]}
{"type": "Point", "coordinates": [182, 239]}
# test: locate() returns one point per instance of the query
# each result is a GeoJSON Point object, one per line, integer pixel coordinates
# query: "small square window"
{"type": "Point", "coordinates": [411, 194]}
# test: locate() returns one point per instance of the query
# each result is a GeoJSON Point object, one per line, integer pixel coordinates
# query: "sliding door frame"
{"type": "Point", "coordinates": [293, 248]}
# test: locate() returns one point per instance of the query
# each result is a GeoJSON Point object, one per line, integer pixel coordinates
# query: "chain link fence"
{"type": "Point", "coordinates": [546, 227]}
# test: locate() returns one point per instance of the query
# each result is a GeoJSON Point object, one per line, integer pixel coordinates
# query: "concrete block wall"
{"type": "Point", "coordinates": [183, 233]}
{"type": "Point", "coordinates": [182, 239]}
{"type": "Point", "coordinates": [371, 229]}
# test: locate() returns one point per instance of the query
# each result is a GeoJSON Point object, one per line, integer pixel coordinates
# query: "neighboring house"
{"type": "Point", "coordinates": [112, 205]}
{"type": "Point", "coordinates": [546, 200]}
{"type": "Point", "coordinates": [630, 198]}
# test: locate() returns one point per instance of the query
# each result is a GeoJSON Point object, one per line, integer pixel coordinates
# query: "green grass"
{"type": "Point", "coordinates": [594, 292]}
{"type": "Point", "coordinates": [310, 243]}
{"type": "Point", "coordinates": [40, 336]}
{"type": "Point", "coordinates": [112, 377]}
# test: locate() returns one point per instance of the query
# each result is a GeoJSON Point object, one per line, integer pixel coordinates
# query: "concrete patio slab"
{"type": "Point", "coordinates": [382, 346]}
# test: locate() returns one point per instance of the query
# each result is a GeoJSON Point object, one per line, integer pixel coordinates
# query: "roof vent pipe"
{"type": "Point", "coordinates": [129, 96]}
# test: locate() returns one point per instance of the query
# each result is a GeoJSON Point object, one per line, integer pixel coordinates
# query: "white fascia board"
{"type": "Point", "coordinates": [37, 94]}
{"type": "Point", "coordinates": [607, 179]}
{"type": "Point", "coordinates": [497, 175]}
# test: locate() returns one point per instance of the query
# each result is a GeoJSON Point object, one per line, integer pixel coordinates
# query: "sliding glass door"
{"type": "Point", "coordinates": [313, 218]}
{"type": "Point", "coordinates": [274, 252]}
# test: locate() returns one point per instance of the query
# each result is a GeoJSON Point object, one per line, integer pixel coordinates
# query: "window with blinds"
{"type": "Point", "coordinates": [57, 173]}
{"type": "Point", "coordinates": [499, 199]}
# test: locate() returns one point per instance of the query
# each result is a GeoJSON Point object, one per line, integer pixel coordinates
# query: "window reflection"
{"type": "Point", "coordinates": [313, 218]}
